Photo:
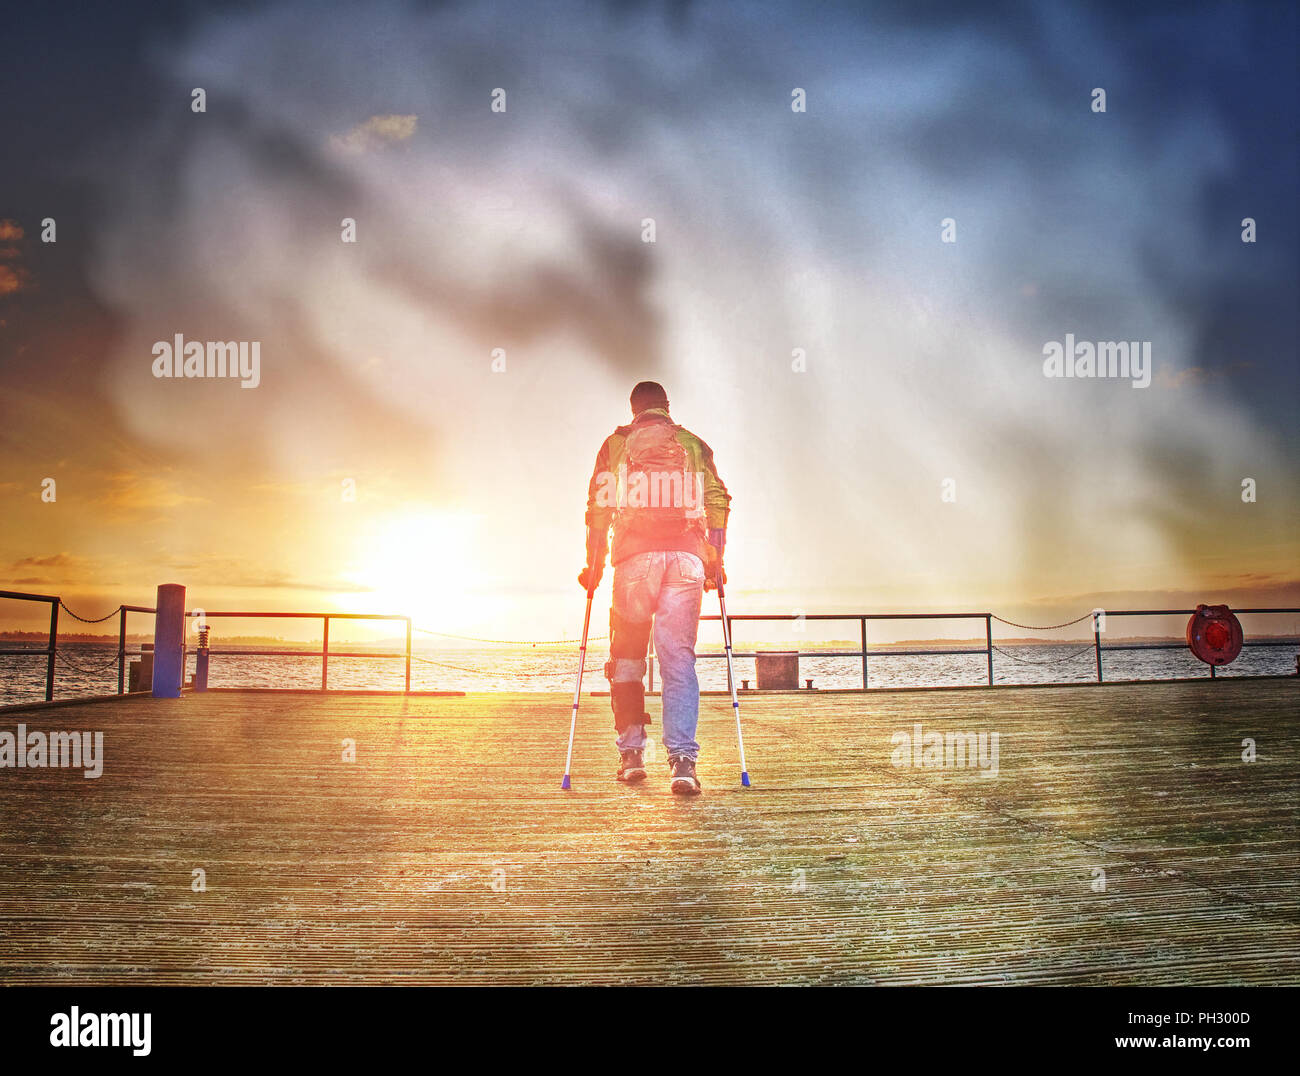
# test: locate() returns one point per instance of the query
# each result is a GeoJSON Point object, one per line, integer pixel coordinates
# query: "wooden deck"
{"type": "Point", "coordinates": [382, 871]}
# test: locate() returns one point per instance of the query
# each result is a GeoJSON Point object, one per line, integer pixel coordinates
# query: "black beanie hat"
{"type": "Point", "coordinates": [648, 394]}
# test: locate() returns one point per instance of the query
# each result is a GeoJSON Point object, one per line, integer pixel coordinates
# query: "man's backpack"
{"type": "Point", "coordinates": [658, 496]}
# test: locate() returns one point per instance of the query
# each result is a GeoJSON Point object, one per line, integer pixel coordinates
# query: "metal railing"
{"type": "Point", "coordinates": [122, 652]}
{"type": "Point", "coordinates": [987, 649]}
{"type": "Point", "coordinates": [1096, 632]}
{"type": "Point", "coordinates": [51, 648]}
{"type": "Point", "coordinates": [325, 652]}
{"type": "Point", "coordinates": [864, 653]}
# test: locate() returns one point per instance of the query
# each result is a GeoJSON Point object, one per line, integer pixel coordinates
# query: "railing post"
{"type": "Point", "coordinates": [988, 643]}
{"type": "Point", "coordinates": [408, 653]}
{"type": "Point", "coordinates": [1096, 642]}
{"type": "Point", "coordinates": [169, 641]}
{"type": "Point", "coordinates": [728, 638]}
{"type": "Point", "coordinates": [121, 649]}
{"type": "Point", "coordinates": [53, 649]}
{"type": "Point", "coordinates": [325, 656]}
{"type": "Point", "coordinates": [201, 658]}
{"type": "Point", "coordinates": [651, 688]}
{"type": "Point", "coordinates": [863, 625]}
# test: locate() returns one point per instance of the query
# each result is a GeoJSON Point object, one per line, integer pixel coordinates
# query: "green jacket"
{"type": "Point", "coordinates": [707, 503]}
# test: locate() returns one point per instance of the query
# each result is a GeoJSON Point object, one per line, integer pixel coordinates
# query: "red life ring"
{"type": "Point", "coordinates": [1214, 634]}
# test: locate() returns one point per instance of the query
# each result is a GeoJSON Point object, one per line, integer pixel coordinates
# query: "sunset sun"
{"type": "Point", "coordinates": [420, 564]}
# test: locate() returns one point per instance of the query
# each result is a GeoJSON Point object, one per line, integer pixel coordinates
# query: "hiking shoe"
{"type": "Point", "coordinates": [632, 767]}
{"type": "Point", "coordinates": [684, 783]}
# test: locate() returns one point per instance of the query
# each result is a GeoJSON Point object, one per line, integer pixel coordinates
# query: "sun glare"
{"type": "Point", "coordinates": [419, 564]}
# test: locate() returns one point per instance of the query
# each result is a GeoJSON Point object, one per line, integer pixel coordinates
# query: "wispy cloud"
{"type": "Point", "coordinates": [54, 560]}
{"type": "Point", "coordinates": [376, 133]}
{"type": "Point", "coordinates": [218, 570]}
{"type": "Point", "coordinates": [52, 567]}
{"type": "Point", "coordinates": [13, 277]}
{"type": "Point", "coordinates": [129, 492]}
{"type": "Point", "coordinates": [1168, 377]}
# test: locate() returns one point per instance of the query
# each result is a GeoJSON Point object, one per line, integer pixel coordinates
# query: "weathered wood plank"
{"type": "Point", "coordinates": [381, 870]}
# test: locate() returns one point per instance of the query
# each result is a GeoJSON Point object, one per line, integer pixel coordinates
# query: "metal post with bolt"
{"type": "Point", "coordinates": [201, 660]}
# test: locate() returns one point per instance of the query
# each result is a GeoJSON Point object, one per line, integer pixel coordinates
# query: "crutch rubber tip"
{"type": "Point", "coordinates": [565, 783]}
{"type": "Point", "coordinates": [744, 778]}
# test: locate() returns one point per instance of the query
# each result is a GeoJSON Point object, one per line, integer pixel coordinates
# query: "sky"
{"type": "Point", "coordinates": [875, 396]}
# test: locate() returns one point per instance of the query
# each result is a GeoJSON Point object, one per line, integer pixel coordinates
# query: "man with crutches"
{"type": "Point", "coordinates": [656, 484]}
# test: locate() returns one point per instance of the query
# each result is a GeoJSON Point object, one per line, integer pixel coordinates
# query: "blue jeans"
{"type": "Point", "coordinates": [669, 586]}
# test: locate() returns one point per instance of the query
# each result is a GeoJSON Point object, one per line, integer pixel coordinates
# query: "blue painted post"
{"type": "Point", "coordinates": [169, 641]}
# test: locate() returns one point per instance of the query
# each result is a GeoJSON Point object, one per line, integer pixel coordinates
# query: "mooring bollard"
{"type": "Point", "coordinates": [777, 670]}
{"type": "Point", "coordinates": [201, 661]}
{"type": "Point", "coordinates": [141, 672]}
{"type": "Point", "coordinates": [169, 641]}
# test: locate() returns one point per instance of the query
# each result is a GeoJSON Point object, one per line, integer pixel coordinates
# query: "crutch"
{"type": "Point", "coordinates": [731, 682]}
{"type": "Point", "coordinates": [577, 691]}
